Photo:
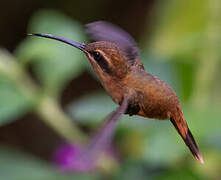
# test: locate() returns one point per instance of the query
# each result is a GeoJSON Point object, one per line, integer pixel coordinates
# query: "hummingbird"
{"type": "Point", "coordinates": [114, 56]}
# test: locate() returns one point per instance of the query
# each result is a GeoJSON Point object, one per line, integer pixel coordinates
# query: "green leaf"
{"type": "Point", "coordinates": [14, 102]}
{"type": "Point", "coordinates": [92, 108]}
{"type": "Point", "coordinates": [204, 121]}
{"type": "Point", "coordinates": [186, 72]}
{"type": "Point", "coordinates": [130, 170]}
{"type": "Point", "coordinates": [54, 63]}
{"type": "Point", "coordinates": [180, 27]}
{"type": "Point", "coordinates": [181, 173]}
{"type": "Point", "coordinates": [16, 165]}
{"type": "Point", "coordinates": [163, 145]}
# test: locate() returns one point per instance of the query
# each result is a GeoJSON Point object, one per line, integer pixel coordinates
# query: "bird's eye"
{"type": "Point", "coordinates": [97, 56]}
{"type": "Point", "coordinates": [101, 61]}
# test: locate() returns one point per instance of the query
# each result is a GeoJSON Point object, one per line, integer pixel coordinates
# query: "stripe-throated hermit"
{"type": "Point", "coordinates": [114, 57]}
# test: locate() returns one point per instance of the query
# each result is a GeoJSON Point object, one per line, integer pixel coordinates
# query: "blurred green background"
{"type": "Point", "coordinates": [49, 94]}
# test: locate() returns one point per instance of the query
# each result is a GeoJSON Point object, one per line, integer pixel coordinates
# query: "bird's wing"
{"type": "Point", "coordinates": [102, 138]}
{"type": "Point", "coordinates": [104, 134]}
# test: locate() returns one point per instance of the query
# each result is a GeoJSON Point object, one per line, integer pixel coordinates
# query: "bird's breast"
{"type": "Point", "coordinates": [114, 89]}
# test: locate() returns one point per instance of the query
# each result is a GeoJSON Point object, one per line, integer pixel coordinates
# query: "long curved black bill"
{"type": "Point", "coordinates": [80, 46]}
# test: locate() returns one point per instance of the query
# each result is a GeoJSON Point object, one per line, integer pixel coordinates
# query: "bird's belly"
{"type": "Point", "coordinates": [157, 105]}
{"type": "Point", "coordinates": [156, 113]}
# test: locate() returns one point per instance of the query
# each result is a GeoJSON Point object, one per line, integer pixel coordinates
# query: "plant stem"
{"type": "Point", "coordinates": [51, 113]}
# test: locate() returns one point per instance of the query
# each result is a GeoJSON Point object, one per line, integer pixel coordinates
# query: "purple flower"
{"type": "Point", "coordinates": [75, 158]}
{"type": "Point", "coordinates": [70, 157]}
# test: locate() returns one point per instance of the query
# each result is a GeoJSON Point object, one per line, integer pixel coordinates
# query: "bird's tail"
{"type": "Point", "coordinates": [182, 128]}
